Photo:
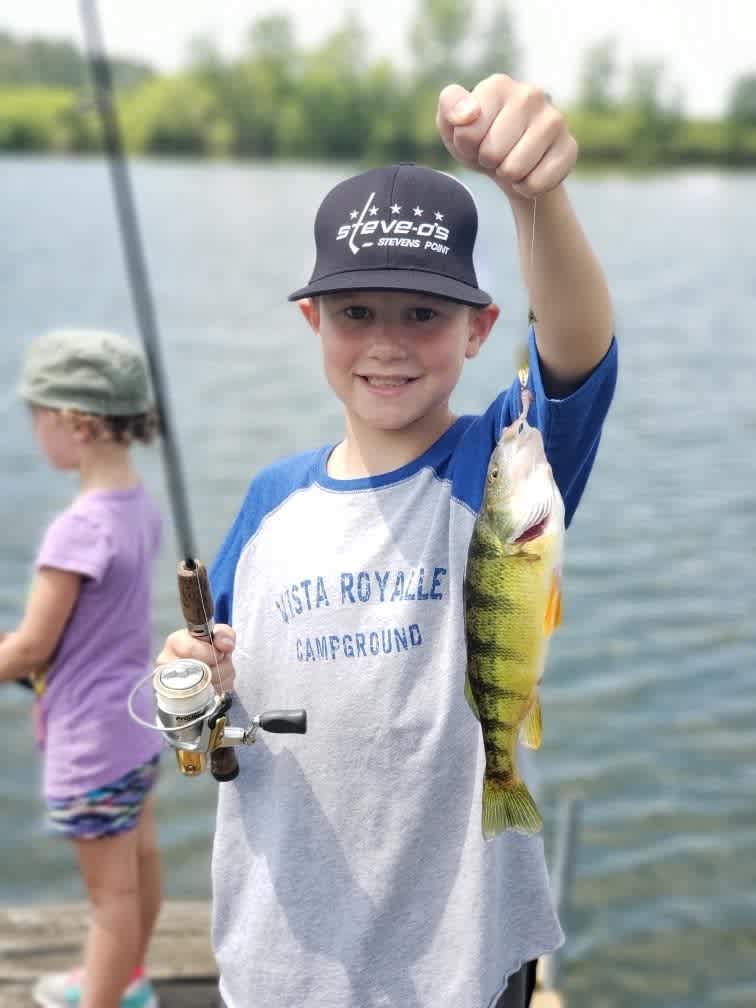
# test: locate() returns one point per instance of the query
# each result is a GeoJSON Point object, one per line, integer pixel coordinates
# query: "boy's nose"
{"type": "Point", "coordinates": [388, 344]}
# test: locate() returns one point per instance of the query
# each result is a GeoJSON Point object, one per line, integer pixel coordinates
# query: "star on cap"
{"type": "Point", "coordinates": [395, 208]}
{"type": "Point", "coordinates": [417, 212]}
{"type": "Point", "coordinates": [353, 214]}
{"type": "Point", "coordinates": [438, 216]}
{"type": "Point", "coordinates": [373, 210]}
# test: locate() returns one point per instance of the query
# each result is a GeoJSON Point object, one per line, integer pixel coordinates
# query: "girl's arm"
{"type": "Point", "coordinates": [33, 642]}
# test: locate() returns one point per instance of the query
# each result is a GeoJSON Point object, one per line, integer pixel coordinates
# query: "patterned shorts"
{"type": "Point", "coordinates": [106, 811]}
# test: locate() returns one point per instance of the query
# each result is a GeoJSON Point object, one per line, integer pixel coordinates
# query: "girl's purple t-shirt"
{"type": "Point", "coordinates": [111, 538]}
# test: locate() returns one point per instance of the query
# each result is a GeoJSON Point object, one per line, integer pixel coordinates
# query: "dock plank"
{"type": "Point", "coordinates": [49, 938]}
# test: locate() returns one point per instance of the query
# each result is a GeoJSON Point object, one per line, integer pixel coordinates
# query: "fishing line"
{"type": "Point", "coordinates": [201, 594]}
{"type": "Point", "coordinates": [523, 372]}
{"type": "Point", "coordinates": [532, 236]}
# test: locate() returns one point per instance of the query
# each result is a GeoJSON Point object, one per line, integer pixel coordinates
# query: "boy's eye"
{"type": "Point", "coordinates": [357, 312]}
{"type": "Point", "coordinates": [422, 314]}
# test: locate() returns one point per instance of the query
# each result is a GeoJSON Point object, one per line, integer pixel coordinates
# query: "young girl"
{"type": "Point", "coordinates": [85, 641]}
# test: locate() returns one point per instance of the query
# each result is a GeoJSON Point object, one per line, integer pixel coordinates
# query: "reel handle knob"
{"type": "Point", "coordinates": [224, 765]}
{"type": "Point", "coordinates": [293, 722]}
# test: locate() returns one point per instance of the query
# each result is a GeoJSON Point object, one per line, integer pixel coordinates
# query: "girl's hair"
{"type": "Point", "coordinates": [142, 427]}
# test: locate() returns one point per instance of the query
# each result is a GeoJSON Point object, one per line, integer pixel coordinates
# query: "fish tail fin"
{"type": "Point", "coordinates": [509, 808]}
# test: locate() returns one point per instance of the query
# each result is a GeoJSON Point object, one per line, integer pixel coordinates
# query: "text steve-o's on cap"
{"type": "Point", "coordinates": [401, 227]}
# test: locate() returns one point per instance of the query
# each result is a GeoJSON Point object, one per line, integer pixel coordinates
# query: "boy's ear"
{"type": "Point", "coordinates": [481, 323]}
{"type": "Point", "coordinates": [310, 308]}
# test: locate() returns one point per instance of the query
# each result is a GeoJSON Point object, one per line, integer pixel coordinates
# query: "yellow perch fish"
{"type": "Point", "coordinates": [512, 604]}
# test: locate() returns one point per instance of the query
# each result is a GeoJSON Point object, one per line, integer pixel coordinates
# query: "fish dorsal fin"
{"type": "Point", "coordinates": [553, 615]}
{"type": "Point", "coordinates": [531, 731]}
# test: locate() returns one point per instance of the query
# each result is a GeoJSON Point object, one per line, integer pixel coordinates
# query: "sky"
{"type": "Point", "coordinates": [704, 44]}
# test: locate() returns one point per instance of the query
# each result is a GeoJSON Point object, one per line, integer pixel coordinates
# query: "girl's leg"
{"type": "Point", "coordinates": [148, 867]}
{"type": "Point", "coordinates": [109, 867]}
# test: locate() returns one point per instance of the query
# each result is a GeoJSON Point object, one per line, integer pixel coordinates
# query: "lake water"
{"type": "Point", "coordinates": [649, 700]}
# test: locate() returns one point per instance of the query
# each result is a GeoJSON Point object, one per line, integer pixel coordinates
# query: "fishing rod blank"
{"type": "Point", "coordinates": [194, 588]}
{"type": "Point", "coordinates": [137, 270]}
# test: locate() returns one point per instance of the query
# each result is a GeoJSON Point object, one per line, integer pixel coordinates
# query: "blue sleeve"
{"type": "Point", "coordinates": [223, 569]}
{"type": "Point", "coordinates": [266, 492]}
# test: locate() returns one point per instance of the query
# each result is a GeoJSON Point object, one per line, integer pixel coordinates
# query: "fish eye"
{"type": "Point", "coordinates": [493, 474]}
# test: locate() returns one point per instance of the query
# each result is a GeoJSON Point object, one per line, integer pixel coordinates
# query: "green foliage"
{"type": "Point", "coordinates": [276, 99]}
{"type": "Point", "coordinates": [174, 115]}
{"type": "Point", "coordinates": [57, 63]}
{"type": "Point", "coordinates": [741, 109]}
{"type": "Point", "coordinates": [436, 40]}
{"type": "Point", "coordinates": [596, 83]}
{"type": "Point", "coordinates": [602, 137]}
{"type": "Point", "coordinates": [702, 140]}
{"type": "Point", "coordinates": [499, 49]}
{"type": "Point", "coordinates": [42, 119]}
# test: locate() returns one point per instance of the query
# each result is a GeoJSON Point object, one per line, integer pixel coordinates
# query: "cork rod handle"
{"type": "Point", "coordinates": [197, 606]}
{"type": "Point", "coordinates": [195, 597]}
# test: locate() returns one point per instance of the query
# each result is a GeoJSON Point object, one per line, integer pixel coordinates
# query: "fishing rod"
{"type": "Point", "coordinates": [190, 713]}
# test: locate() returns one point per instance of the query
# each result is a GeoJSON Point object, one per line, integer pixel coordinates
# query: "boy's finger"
{"type": "Point", "coordinates": [183, 645]}
{"type": "Point", "coordinates": [224, 638]}
{"type": "Point", "coordinates": [551, 170]}
{"type": "Point", "coordinates": [468, 116]}
{"type": "Point", "coordinates": [456, 107]}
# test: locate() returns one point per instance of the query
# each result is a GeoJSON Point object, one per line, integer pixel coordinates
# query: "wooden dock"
{"type": "Point", "coordinates": [48, 938]}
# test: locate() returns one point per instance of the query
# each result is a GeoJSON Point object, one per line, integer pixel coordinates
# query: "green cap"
{"type": "Point", "coordinates": [87, 370]}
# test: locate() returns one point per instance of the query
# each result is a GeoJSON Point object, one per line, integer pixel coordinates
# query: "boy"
{"type": "Point", "coordinates": [349, 869]}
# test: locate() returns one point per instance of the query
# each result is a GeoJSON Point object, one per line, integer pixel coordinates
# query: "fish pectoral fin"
{"type": "Point", "coordinates": [531, 730]}
{"type": "Point", "coordinates": [553, 615]}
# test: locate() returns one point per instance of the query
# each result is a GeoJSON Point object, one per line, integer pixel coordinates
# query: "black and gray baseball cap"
{"type": "Point", "coordinates": [402, 227]}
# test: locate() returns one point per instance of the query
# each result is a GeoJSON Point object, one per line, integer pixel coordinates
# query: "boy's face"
{"type": "Point", "coordinates": [393, 358]}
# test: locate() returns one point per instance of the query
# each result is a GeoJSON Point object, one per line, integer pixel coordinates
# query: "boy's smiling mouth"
{"type": "Point", "coordinates": [387, 381]}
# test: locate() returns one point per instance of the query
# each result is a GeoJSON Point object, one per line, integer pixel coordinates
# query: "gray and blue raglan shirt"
{"type": "Point", "coordinates": [349, 867]}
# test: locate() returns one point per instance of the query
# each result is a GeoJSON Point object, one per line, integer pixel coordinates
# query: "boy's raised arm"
{"type": "Point", "coordinates": [512, 133]}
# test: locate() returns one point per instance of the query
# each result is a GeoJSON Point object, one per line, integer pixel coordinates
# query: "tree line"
{"type": "Point", "coordinates": [277, 99]}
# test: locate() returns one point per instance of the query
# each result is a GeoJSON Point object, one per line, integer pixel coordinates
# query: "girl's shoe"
{"type": "Point", "coordinates": [63, 990]}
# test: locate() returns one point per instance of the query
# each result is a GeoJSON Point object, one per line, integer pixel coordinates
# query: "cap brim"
{"type": "Point", "coordinates": [415, 281]}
